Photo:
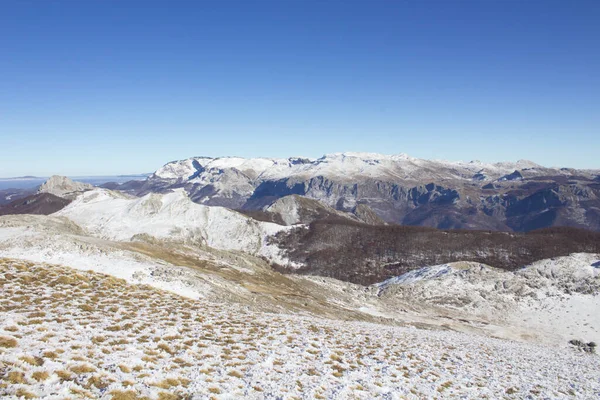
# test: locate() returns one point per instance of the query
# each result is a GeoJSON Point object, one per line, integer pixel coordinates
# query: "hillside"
{"type": "Point", "coordinates": [169, 298]}
{"type": "Point", "coordinates": [554, 296]}
{"type": "Point", "coordinates": [100, 336]}
{"type": "Point", "coordinates": [171, 217]}
{"type": "Point", "coordinates": [41, 203]}
{"type": "Point", "coordinates": [125, 237]}
{"type": "Point", "coordinates": [367, 254]}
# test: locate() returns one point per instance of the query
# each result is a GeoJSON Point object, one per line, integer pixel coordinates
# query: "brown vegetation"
{"type": "Point", "coordinates": [366, 254]}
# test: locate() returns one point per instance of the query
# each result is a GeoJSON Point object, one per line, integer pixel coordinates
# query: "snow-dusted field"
{"type": "Point", "coordinates": [555, 299]}
{"type": "Point", "coordinates": [73, 334]}
{"type": "Point", "coordinates": [172, 216]}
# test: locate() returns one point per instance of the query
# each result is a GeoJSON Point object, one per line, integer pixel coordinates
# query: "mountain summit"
{"type": "Point", "coordinates": [517, 196]}
{"type": "Point", "coordinates": [62, 186]}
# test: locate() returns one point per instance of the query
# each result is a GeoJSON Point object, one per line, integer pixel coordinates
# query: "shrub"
{"type": "Point", "coordinates": [8, 341]}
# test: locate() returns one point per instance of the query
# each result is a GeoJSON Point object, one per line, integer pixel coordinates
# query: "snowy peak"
{"type": "Point", "coordinates": [192, 168]}
{"type": "Point", "coordinates": [519, 196]}
{"type": "Point", "coordinates": [62, 186]}
{"type": "Point", "coordinates": [340, 165]}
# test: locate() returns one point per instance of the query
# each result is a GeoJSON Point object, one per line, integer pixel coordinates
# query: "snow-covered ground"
{"type": "Point", "coordinates": [67, 333]}
{"type": "Point", "coordinates": [173, 217]}
{"type": "Point", "coordinates": [556, 299]}
{"type": "Point", "coordinates": [187, 320]}
{"type": "Point", "coordinates": [552, 301]}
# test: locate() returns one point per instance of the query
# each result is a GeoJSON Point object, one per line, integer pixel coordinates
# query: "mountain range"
{"type": "Point", "coordinates": [400, 189]}
{"type": "Point", "coordinates": [217, 255]}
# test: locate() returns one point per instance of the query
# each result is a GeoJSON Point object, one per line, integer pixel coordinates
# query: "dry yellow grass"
{"type": "Point", "coordinates": [165, 347]}
{"type": "Point", "coordinates": [98, 339]}
{"type": "Point", "coordinates": [168, 396]}
{"type": "Point", "coordinates": [81, 393]}
{"type": "Point", "coordinates": [25, 394]}
{"type": "Point", "coordinates": [124, 368]}
{"type": "Point", "coordinates": [36, 361]}
{"type": "Point", "coordinates": [50, 354]}
{"type": "Point", "coordinates": [82, 369]}
{"type": "Point", "coordinates": [125, 395]}
{"type": "Point", "coordinates": [16, 377]}
{"type": "Point", "coordinates": [64, 375]}
{"type": "Point", "coordinates": [98, 381]}
{"type": "Point", "coordinates": [40, 376]}
{"type": "Point", "coordinates": [8, 341]}
{"type": "Point", "coordinates": [236, 374]}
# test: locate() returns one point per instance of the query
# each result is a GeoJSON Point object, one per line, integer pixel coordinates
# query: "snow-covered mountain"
{"type": "Point", "coordinates": [349, 165]}
{"type": "Point", "coordinates": [516, 196]}
{"type": "Point", "coordinates": [54, 194]}
{"type": "Point", "coordinates": [169, 217]}
{"type": "Point", "coordinates": [170, 242]}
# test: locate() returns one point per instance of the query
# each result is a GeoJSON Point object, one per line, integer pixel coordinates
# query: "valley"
{"type": "Point", "coordinates": [298, 262]}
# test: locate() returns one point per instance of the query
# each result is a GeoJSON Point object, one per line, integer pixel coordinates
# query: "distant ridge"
{"type": "Point", "coordinates": [400, 189]}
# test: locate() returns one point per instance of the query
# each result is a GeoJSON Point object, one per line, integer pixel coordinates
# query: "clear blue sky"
{"type": "Point", "coordinates": [110, 87]}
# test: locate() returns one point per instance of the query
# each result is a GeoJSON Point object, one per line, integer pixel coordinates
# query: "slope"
{"type": "Point", "coordinates": [169, 217]}
{"type": "Point", "coordinates": [41, 203]}
{"type": "Point", "coordinates": [555, 298]}
{"type": "Point", "coordinates": [101, 337]}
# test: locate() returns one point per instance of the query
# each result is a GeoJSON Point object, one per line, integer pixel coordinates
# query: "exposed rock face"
{"type": "Point", "coordinates": [519, 196]}
{"type": "Point", "coordinates": [297, 210]}
{"type": "Point", "coordinates": [62, 186]}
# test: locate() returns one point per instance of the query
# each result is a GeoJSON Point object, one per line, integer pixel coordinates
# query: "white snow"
{"type": "Point", "coordinates": [27, 243]}
{"type": "Point", "coordinates": [416, 275]}
{"type": "Point", "coordinates": [171, 216]}
{"type": "Point", "coordinates": [341, 166]}
{"type": "Point", "coordinates": [554, 298]}
{"type": "Point", "coordinates": [67, 335]}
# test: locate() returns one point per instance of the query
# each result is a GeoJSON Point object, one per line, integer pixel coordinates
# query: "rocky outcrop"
{"type": "Point", "coordinates": [64, 187]}
{"type": "Point", "coordinates": [294, 209]}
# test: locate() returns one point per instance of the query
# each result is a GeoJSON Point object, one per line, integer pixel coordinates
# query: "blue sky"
{"type": "Point", "coordinates": [110, 87]}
